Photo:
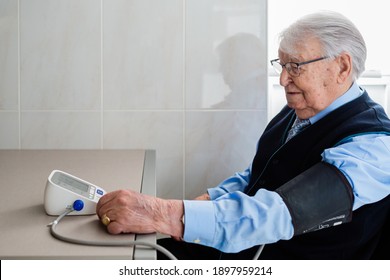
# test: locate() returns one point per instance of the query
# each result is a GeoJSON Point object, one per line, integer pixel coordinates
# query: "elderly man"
{"type": "Point", "coordinates": [318, 185]}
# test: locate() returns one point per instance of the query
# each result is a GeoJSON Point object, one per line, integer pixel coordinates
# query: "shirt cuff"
{"type": "Point", "coordinates": [199, 221]}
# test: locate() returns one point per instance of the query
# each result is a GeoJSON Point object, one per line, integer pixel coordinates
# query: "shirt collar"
{"type": "Point", "coordinates": [352, 93]}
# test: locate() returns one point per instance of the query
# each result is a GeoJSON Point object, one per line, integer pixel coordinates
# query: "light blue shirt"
{"type": "Point", "coordinates": [233, 221]}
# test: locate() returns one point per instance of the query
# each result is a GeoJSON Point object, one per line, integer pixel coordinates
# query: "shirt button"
{"type": "Point", "coordinates": [197, 241]}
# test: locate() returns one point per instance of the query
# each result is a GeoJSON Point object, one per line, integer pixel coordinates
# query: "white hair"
{"type": "Point", "coordinates": [336, 33]}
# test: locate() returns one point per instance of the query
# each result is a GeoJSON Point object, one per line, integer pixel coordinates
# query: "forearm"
{"type": "Point", "coordinates": [236, 221]}
{"type": "Point", "coordinates": [238, 182]}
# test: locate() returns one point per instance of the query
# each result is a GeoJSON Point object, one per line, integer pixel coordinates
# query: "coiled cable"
{"type": "Point", "coordinates": [77, 206]}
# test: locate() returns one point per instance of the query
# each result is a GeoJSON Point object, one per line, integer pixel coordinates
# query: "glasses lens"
{"type": "Point", "coordinates": [277, 66]}
{"type": "Point", "coordinates": [293, 69]}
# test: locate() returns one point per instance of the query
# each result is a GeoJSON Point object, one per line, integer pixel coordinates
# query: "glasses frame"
{"type": "Point", "coordinates": [296, 64]}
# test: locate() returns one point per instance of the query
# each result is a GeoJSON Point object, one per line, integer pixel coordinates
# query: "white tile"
{"type": "Point", "coordinates": [161, 131]}
{"type": "Point", "coordinates": [143, 54]}
{"type": "Point", "coordinates": [8, 55]}
{"type": "Point", "coordinates": [226, 54]}
{"type": "Point", "coordinates": [144, 67]}
{"type": "Point", "coordinates": [218, 145]}
{"type": "Point", "coordinates": [60, 54]}
{"type": "Point", "coordinates": [9, 130]}
{"type": "Point", "coordinates": [60, 130]}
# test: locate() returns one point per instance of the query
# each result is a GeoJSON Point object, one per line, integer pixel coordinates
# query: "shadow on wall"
{"type": "Point", "coordinates": [242, 66]}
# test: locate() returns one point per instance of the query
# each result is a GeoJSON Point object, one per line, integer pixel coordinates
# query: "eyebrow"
{"type": "Point", "coordinates": [296, 59]}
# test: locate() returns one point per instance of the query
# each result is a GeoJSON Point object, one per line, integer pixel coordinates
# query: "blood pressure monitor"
{"type": "Point", "coordinates": [63, 189]}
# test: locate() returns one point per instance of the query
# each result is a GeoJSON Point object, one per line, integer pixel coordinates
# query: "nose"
{"type": "Point", "coordinates": [284, 78]}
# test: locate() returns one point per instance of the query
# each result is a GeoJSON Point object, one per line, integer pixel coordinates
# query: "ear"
{"type": "Point", "coordinates": [344, 67]}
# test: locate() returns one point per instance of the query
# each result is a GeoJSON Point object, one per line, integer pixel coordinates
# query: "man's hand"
{"type": "Point", "coordinates": [133, 212]}
{"type": "Point", "coordinates": [204, 196]}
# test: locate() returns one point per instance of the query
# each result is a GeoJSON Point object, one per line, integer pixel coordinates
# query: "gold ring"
{"type": "Point", "coordinates": [105, 220]}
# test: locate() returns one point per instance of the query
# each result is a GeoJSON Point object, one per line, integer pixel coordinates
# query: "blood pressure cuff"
{"type": "Point", "coordinates": [318, 198]}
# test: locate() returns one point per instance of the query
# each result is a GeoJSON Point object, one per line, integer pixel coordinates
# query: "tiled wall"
{"type": "Point", "coordinates": [187, 78]}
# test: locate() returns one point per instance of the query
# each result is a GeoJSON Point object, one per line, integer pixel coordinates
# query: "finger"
{"type": "Point", "coordinates": [106, 209]}
{"type": "Point", "coordinates": [115, 228]}
{"type": "Point", "coordinates": [110, 217]}
{"type": "Point", "coordinates": [104, 200]}
{"type": "Point", "coordinates": [177, 238]}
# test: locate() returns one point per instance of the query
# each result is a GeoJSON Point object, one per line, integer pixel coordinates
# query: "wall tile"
{"type": "Point", "coordinates": [60, 130]}
{"type": "Point", "coordinates": [219, 143]}
{"type": "Point", "coordinates": [143, 54]}
{"type": "Point", "coordinates": [161, 131]}
{"type": "Point", "coordinates": [9, 130]}
{"type": "Point", "coordinates": [9, 55]}
{"type": "Point", "coordinates": [185, 78]}
{"type": "Point", "coordinates": [60, 54]}
{"type": "Point", "coordinates": [226, 66]}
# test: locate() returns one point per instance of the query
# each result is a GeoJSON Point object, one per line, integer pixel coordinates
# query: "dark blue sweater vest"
{"type": "Point", "coordinates": [277, 162]}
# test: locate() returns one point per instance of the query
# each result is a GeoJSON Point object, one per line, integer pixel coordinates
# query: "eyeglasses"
{"type": "Point", "coordinates": [293, 68]}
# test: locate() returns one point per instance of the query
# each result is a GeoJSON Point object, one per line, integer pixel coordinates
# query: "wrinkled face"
{"type": "Point", "coordinates": [318, 84]}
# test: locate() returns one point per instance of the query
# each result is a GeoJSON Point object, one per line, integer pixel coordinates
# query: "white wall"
{"type": "Point", "coordinates": [118, 74]}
